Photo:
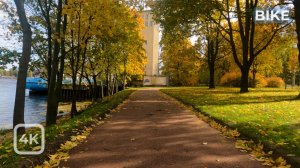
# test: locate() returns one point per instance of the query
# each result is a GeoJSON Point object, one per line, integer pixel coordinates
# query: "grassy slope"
{"type": "Point", "coordinates": [271, 116]}
{"type": "Point", "coordinates": [56, 133]}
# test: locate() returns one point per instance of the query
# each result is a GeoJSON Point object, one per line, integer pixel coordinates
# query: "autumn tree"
{"type": "Point", "coordinates": [181, 61]}
{"type": "Point", "coordinates": [244, 31]}
{"type": "Point", "coordinates": [75, 39]}
{"type": "Point", "coordinates": [209, 45]}
{"type": "Point", "coordinates": [236, 24]}
{"type": "Point", "coordinates": [45, 8]}
{"type": "Point", "coordinates": [104, 44]}
{"type": "Point", "coordinates": [189, 20]}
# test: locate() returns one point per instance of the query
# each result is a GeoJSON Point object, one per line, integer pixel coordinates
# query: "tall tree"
{"type": "Point", "coordinates": [181, 61]}
{"type": "Point", "coordinates": [297, 20]}
{"type": "Point", "coordinates": [23, 66]}
{"type": "Point", "coordinates": [45, 8]}
{"type": "Point", "coordinates": [244, 32]}
{"type": "Point", "coordinates": [209, 46]}
{"type": "Point", "coordinates": [52, 96]}
{"type": "Point", "coordinates": [237, 26]}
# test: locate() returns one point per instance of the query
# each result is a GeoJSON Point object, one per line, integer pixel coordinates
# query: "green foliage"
{"type": "Point", "coordinates": [180, 15]}
{"type": "Point", "coordinates": [270, 116]}
{"type": "Point", "coordinates": [275, 82]}
{"type": "Point", "coordinates": [7, 57]}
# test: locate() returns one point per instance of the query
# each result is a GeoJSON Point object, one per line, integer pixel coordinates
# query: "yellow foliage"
{"type": "Point", "coordinates": [55, 159]}
{"type": "Point", "coordinates": [67, 146]}
{"type": "Point", "coordinates": [257, 152]}
{"type": "Point", "coordinates": [62, 153]}
{"type": "Point", "coordinates": [275, 82]}
{"type": "Point", "coordinates": [110, 32]}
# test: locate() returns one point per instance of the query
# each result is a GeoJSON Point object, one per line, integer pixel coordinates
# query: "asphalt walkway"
{"type": "Point", "coordinates": [151, 131]}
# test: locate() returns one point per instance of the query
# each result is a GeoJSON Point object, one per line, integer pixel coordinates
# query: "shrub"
{"type": "Point", "coordinates": [231, 79]}
{"type": "Point", "coordinates": [234, 79]}
{"type": "Point", "coordinates": [260, 81]}
{"type": "Point", "coordinates": [275, 82]}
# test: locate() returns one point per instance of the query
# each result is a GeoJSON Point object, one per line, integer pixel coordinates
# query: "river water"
{"type": "Point", "coordinates": [35, 106]}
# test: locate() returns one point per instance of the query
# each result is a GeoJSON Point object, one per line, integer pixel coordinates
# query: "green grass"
{"type": "Point", "coordinates": [271, 116]}
{"type": "Point", "coordinates": [89, 116]}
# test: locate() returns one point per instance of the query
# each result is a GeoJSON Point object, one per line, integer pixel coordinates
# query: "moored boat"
{"type": "Point", "coordinates": [36, 85]}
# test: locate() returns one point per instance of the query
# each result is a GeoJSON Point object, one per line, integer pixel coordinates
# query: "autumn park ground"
{"type": "Point", "coordinates": [152, 130]}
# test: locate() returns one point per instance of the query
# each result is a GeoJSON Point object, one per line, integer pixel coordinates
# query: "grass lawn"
{"type": "Point", "coordinates": [271, 116]}
{"type": "Point", "coordinates": [58, 134]}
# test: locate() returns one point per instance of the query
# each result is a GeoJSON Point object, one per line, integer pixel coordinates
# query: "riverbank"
{"type": "Point", "coordinates": [8, 77]}
{"type": "Point", "coordinates": [62, 132]}
{"type": "Point", "coordinates": [63, 115]}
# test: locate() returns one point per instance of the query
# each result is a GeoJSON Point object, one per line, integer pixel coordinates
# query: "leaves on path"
{"type": "Point", "coordinates": [63, 153]}
{"type": "Point", "coordinates": [257, 152]}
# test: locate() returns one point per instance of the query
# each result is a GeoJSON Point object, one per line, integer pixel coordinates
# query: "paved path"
{"type": "Point", "coordinates": [150, 131]}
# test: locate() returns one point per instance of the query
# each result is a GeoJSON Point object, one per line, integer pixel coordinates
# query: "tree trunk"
{"type": "Point", "coordinates": [23, 67]}
{"type": "Point", "coordinates": [117, 86]}
{"type": "Point", "coordinates": [112, 84]}
{"type": "Point", "coordinates": [285, 85]}
{"type": "Point", "coordinates": [102, 89]}
{"type": "Point", "coordinates": [107, 84]}
{"type": "Point", "coordinates": [91, 89]}
{"type": "Point", "coordinates": [95, 88]}
{"type": "Point", "coordinates": [74, 97]}
{"type": "Point", "coordinates": [45, 9]}
{"type": "Point", "coordinates": [124, 76]}
{"type": "Point", "coordinates": [212, 76]}
{"type": "Point", "coordinates": [254, 78]}
{"type": "Point", "coordinates": [52, 97]}
{"type": "Point", "coordinates": [62, 61]}
{"type": "Point", "coordinates": [297, 20]}
{"type": "Point", "coordinates": [83, 64]}
{"type": "Point", "coordinates": [244, 80]}
{"type": "Point", "coordinates": [294, 79]}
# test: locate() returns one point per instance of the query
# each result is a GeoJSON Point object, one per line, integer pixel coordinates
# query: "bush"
{"type": "Point", "coordinates": [231, 79]}
{"type": "Point", "coordinates": [275, 82]}
{"type": "Point", "coordinates": [260, 81]}
{"type": "Point", "coordinates": [234, 79]}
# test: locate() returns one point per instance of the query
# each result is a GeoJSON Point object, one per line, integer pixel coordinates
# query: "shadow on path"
{"type": "Point", "coordinates": [150, 131]}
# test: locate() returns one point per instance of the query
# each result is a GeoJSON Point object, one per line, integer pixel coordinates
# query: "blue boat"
{"type": "Point", "coordinates": [36, 85]}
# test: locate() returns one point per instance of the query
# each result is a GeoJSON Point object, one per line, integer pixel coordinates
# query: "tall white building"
{"type": "Point", "coordinates": [151, 36]}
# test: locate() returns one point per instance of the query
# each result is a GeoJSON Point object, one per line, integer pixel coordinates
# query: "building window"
{"type": "Point", "coordinates": [146, 23]}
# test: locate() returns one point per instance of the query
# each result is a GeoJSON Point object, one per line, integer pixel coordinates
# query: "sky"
{"type": "Point", "coordinates": [6, 40]}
